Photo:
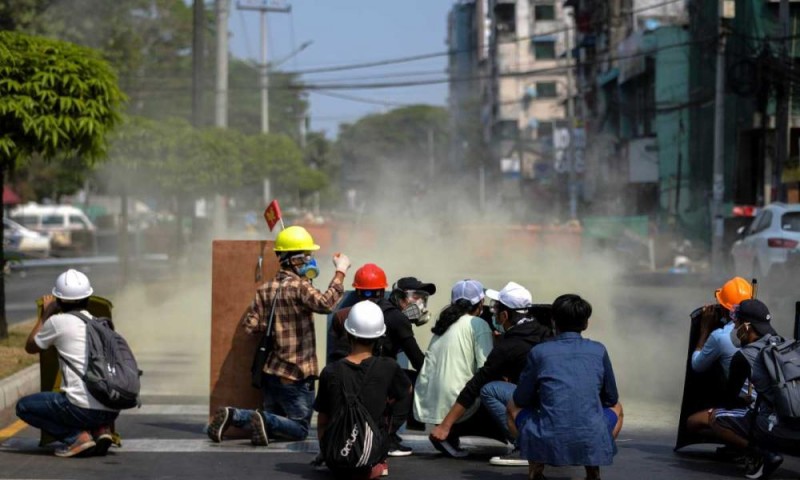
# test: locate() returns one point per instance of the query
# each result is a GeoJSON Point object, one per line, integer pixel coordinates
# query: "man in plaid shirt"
{"type": "Point", "coordinates": [291, 367]}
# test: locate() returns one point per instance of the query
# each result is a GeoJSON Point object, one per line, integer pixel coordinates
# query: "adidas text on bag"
{"type": "Point", "coordinates": [352, 439]}
{"type": "Point", "coordinates": [782, 361]}
{"type": "Point", "coordinates": [112, 375]}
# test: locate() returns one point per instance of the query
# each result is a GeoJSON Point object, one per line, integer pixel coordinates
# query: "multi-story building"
{"type": "Point", "coordinates": [514, 50]}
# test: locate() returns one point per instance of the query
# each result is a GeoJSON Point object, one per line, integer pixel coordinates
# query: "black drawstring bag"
{"type": "Point", "coordinates": [264, 348]}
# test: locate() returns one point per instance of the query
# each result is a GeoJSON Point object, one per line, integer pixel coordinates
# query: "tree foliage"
{"type": "Point", "coordinates": [55, 98]}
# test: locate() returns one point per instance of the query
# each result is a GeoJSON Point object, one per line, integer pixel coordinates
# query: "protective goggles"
{"type": "Point", "coordinates": [370, 293]}
{"type": "Point", "coordinates": [417, 295]}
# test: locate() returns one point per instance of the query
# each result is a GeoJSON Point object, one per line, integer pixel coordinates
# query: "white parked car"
{"type": "Point", "coordinates": [771, 244]}
{"type": "Point", "coordinates": [67, 226]}
{"type": "Point", "coordinates": [23, 241]}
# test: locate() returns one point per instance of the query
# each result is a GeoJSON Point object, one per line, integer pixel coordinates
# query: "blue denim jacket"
{"type": "Point", "coordinates": [566, 383]}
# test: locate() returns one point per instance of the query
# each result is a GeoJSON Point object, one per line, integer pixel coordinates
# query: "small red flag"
{"type": "Point", "coordinates": [272, 214]}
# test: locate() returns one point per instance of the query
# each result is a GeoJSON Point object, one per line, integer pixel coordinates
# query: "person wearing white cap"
{"type": "Point", "coordinates": [72, 415]}
{"type": "Point", "coordinates": [496, 380]}
{"type": "Point", "coordinates": [460, 345]}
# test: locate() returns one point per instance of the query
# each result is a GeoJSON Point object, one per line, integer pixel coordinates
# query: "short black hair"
{"type": "Point", "coordinates": [70, 305]}
{"type": "Point", "coordinates": [367, 342]}
{"type": "Point", "coordinates": [571, 313]}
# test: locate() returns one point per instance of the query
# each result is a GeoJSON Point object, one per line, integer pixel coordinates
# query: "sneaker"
{"type": "Point", "coordinates": [319, 463]}
{"type": "Point", "coordinates": [449, 449]}
{"type": "Point", "coordinates": [379, 470]}
{"type": "Point", "coordinates": [512, 459]}
{"type": "Point", "coordinates": [259, 437]}
{"type": "Point", "coordinates": [397, 449]}
{"type": "Point", "coordinates": [82, 446]}
{"type": "Point", "coordinates": [764, 465]}
{"type": "Point", "coordinates": [103, 439]}
{"type": "Point", "coordinates": [221, 421]}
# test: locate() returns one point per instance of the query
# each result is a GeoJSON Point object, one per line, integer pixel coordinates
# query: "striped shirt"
{"type": "Point", "coordinates": [294, 353]}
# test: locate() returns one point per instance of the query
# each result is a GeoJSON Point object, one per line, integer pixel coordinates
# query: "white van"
{"type": "Point", "coordinates": [67, 226]}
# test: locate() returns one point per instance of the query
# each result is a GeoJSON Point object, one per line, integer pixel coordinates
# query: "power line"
{"type": "Point", "coordinates": [354, 98]}
{"type": "Point", "coordinates": [425, 56]}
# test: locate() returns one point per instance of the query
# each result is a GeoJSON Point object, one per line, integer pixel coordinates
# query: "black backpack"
{"type": "Point", "coordinates": [352, 440]}
{"type": "Point", "coordinates": [782, 361]}
{"type": "Point", "coordinates": [112, 375]}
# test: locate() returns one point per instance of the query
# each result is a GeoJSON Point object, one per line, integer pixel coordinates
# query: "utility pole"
{"type": "Point", "coordinates": [782, 108]}
{"type": "Point", "coordinates": [572, 186]}
{"type": "Point", "coordinates": [263, 8]}
{"type": "Point", "coordinates": [221, 87]}
{"type": "Point", "coordinates": [431, 156]}
{"type": "Point", "coordinates": [718, 183]}
{"type": "Point", "coordinates": [221, 104]}
{"type": "Point", "coordinates": [198, 63]}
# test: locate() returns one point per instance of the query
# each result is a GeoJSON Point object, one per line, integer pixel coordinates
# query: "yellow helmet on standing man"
{"type": "Point", "coordinates": [735, 291]}
{"type": "Point", "coordinates": [295, 239]}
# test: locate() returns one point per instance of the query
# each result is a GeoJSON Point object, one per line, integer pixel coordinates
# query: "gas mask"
{"type": "Point", "coordinates": [417, 312]}
{"type": "Point", "coordinates": [309, 268]}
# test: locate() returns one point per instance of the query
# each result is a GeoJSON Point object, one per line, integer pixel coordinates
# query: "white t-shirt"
{"type": "Point", "coordinates": [67, 333]}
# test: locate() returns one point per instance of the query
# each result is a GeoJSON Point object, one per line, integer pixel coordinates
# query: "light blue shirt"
{"type": "Point", "coordinates": [718, 346]}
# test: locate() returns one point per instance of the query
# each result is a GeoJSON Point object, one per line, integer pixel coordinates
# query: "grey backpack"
{"type": "Point", "coordinates": [112, 375]}
{"type": "Point", "coordinates": [782, 361]}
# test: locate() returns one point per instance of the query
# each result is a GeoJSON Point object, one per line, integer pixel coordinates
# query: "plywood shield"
{"type": "Point", "coordinates": [700, 390]}
{"type": "Point", "coordinates": [238, 268]}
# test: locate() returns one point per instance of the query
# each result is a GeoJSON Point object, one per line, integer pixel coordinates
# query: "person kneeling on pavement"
{"type": "Point", "coordinates": [72, 415]}
{"type": "Point", "coordinates": [565, 407]}
{"type": "Point", "coordinates": [380, 385]}
{"type": "Point", "coordinates": [762, 430]}
{"type": "Point", "coordinates": [287, 302]}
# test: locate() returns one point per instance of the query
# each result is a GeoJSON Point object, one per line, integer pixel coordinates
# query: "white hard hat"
{"type": "Point", "coordinates": [365, 320]}
{"type": "Point", "coordinates": [72, 285]}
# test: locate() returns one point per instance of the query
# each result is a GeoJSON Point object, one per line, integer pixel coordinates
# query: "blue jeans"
{"type": "Point", "coordinates": [495, 397]}
{"type": "Point", "coordinates": [287, 408]}
{"type": "Point", "coordinates": [54, 414]}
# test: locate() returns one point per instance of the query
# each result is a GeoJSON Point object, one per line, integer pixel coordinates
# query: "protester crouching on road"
{"type": "Point", "coordinates": [291, 367]}
{"type": "Point", "coordinates": [758, 430]}
{"type": "Point", "coordinates": [382, 385]}
{"type": "Point", "coordinates": [407, 306]}
{"type": "Point", "coordinates": [459, 348]}
{"type": "Point", "coordinates": [566, 408]}
{"type": "Point", "coordinates": [714, 345]}
{"type": "Point", "coordinates": [72, 415]}
{"type": "Point", "coordinates": [497, 379]}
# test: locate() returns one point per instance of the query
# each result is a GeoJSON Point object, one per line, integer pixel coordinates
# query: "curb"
{"type": "Point", "coordinates": [24, 382]}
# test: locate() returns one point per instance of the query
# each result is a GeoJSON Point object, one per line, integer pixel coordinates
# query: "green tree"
{"type": "Point", "coordinates": [393, 145]}
{"type": "Point", "coordinates": [56, 100]}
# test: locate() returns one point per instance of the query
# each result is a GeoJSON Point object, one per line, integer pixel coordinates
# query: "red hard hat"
{"type": "Point", "coordinates": [370, 277]}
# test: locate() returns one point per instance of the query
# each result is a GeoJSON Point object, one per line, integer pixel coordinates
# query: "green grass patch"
{"type": "Point", "coordinates": [12, 350]}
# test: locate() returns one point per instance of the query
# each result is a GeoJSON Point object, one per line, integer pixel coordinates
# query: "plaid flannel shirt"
{"type": "Point", "coordinates": [294, 354]}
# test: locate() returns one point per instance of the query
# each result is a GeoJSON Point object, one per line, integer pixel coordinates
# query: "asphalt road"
{"type": "Point", "coordinates": [165, 440]}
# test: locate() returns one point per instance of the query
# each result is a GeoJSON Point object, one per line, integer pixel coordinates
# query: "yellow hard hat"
{"type": "Point", "coordinates": [295, 239]}
{"type": "Point", "coordinates": [735, 291]}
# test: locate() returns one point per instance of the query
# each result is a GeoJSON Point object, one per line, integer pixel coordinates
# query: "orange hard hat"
{"type": "Point", "coordinates": [735, 291]}
{"type": "Point", "coordinates": [370, 277]}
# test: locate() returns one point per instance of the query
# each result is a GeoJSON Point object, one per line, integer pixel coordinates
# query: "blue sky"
{"type": "Point", "coordinates": [353, 31]}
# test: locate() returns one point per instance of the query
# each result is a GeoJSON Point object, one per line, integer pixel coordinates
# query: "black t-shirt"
{"type": "Point", "coordinates": [386, 383]}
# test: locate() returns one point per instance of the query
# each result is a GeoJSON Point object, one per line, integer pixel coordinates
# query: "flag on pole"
{"type": "Point", "coordinates": [273, 214]}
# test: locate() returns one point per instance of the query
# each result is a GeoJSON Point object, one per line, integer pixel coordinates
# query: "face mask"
{"type": "Point", "coordinates": [497, 325]}
{"type": "Point", "coordinates": [309, 269]}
